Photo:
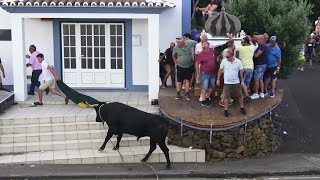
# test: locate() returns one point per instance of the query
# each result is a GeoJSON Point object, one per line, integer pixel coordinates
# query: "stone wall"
{"type": "Point", "coordinates": [262, 137]}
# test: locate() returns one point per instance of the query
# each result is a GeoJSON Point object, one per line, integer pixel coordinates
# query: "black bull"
{"type": "Point", "coordinates": [122, 119]}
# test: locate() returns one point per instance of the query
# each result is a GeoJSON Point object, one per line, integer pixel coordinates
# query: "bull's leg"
{"type": "Point", "coordinates": [165, 150]}
{"type": "Point", "coordinates": [118, 141]}
{"type": "Point", "coordinates": [108, 137]}
{"type": "Point", "coordinates": [153, 146]}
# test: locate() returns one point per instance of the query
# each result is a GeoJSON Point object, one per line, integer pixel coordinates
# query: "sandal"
{"type": "Point", "coordinates": [38, 103]}
{"type": "Point", "coordinates": [66, 100]}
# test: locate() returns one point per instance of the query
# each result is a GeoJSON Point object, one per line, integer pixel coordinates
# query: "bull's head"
{"type": "Point", "coordinates": [97, 107]}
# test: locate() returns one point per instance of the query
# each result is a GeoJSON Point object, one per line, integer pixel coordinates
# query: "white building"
{"type": "Point", "coordinates": [110, 45]}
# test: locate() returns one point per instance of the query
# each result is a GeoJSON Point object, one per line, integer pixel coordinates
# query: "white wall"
{"type": "Point", "coordinates": [40, 34]}
{"type": "Point", "coordinates": [37, 32]}
{"type": "Point", "coordinates": [5, 48]}
{"type": "Point", "coordinates": [140, 53]}
{"type": "Point", "coordinates": [170, 25]}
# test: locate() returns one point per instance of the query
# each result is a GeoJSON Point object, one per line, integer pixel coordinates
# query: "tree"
{"type": "Point", "coordinates": [286, 19]}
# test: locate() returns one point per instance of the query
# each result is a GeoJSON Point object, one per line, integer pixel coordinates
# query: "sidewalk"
{"type": "Point", "coordinates": [275, 165]}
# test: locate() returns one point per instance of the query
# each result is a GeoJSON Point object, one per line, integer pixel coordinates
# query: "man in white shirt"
{"type": "Point", "coordinates": [254, 41]}
{"type": "Point", "coordinates": [47, 80]}
{"type": "Point", "coordinates": [203, 39]}
{"type": "Point", "coordinates": [231, 67]}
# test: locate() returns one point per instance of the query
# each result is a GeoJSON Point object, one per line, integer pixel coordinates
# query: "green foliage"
{"type": "Point", "coordinates": [286, 19]}
{"type": "Point", "coordinates": [315, 9]}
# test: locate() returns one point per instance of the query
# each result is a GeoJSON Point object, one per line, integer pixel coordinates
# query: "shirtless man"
{"type": "Point", "coordinates": [317, 26]}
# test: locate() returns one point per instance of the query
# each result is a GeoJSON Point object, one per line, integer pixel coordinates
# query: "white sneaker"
{"type": "Point", "coordinates": [261, 95]}
{"type": "Point", "coordinates": [255, 96]}
{"type": "Point", "coordinates": [201, 99]}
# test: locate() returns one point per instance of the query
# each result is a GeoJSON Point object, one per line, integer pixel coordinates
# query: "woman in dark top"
{"type": "Point", "coordinates": [165, 70]}
{"type": "Point", "coordinates": [170, 64]}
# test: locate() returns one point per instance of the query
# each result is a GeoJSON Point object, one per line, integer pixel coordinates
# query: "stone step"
{"type": "Point", "coordinates": [52, 136]}
{"type": "Point", "coordinates": [48, 120]}
{"type": "Point", "coordinates": [69, 145]}
{"type": "Point", "coordinates": [6, 100]}
{"type": "Point", "coordinates": [131, 154]}
{"type": "Point", "coordinates": [50, 127]}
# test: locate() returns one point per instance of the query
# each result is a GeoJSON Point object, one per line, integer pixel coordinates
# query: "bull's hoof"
{"type": "Point", "coordinates": [115, 148]}
{"type": "Point", "coordinates": [100, 149]}
{"type": "Point", "coordinates": [168, 167]}
{"type": "Point", "coordinates": [143, 160]}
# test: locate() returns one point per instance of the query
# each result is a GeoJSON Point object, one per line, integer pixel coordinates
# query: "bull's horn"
{"type": "Point", "coordinates": [92, 105]}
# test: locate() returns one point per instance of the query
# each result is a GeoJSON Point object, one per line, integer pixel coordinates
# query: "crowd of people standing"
{"type": "Point", "coordinates": [247, 71]}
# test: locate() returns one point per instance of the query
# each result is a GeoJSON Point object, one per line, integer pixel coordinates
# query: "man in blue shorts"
{"type": "Point", "coordinates": [273, 65]}
{"type": "Point", "coordinates": [259, 69]}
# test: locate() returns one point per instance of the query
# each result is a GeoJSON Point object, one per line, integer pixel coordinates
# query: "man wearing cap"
{"type": "Point", "coordinates": [273, 65]}
{"type": "Point", "coordinates": [184, 64]}
{"type": "Point", "coordinates": [190, 43]}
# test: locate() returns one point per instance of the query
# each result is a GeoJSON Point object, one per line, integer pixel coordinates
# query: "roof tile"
{"type": "Point", "coordinates": [87, 3]}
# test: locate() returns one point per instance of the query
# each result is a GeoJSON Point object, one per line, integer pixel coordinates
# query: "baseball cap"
{"type": "Point", "coordinates": [179, 38]}
{"type": "Point", "coordinates": [273, 38]}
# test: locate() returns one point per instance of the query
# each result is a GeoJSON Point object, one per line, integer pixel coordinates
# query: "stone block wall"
{"type": "Point", "coordinates": [261, 137]}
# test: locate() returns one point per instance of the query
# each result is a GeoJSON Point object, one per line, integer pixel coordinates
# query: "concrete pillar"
{"type": "Point", "coordinates": [18, 59]}
{"type": "Point", "coordinates": [153, 49]}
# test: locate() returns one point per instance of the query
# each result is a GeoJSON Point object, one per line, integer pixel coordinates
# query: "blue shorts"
{"type": "Point", "coordinates": [207, 81]}
{"type": "Point", "coordinates": [247, 76]}
{"type": "Point", "coordinates": [215, 12]}
{"type": "Point", "coordinates": [309, 56]}
{"type": "Point", "coordinates": [259, 72]}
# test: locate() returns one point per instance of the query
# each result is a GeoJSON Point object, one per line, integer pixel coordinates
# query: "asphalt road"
{"type": "Point", "coordinates": [301, 112]}
{"type": "Point", "coordinates": [259, 178]}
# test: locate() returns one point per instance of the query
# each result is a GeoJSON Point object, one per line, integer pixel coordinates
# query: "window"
{"type": "Point", "coordinates": [69, 44]}
{"type": "Point", "coordinates": [116, 42]}
{"type": "Point", "coordinates": [5, 35]}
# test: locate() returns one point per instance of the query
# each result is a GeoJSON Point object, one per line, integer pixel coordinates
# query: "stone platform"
{"type": "Point", "coordinates": [192, 114]}
{"type": "Point", "coordinates": [235, 137]}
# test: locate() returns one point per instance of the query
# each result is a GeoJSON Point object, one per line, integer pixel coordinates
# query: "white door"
{"type": "Point", "coordinates": [93, 55]}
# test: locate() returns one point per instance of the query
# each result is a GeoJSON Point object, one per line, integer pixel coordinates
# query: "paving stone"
{"type": "Point", "coordinates": [89, 156]}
